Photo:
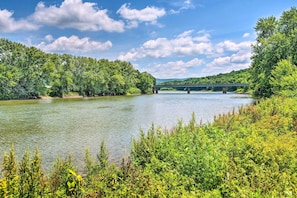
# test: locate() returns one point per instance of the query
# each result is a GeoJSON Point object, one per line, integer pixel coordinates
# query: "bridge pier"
{"type": "Point", "coordinates": [188, 90]}
{"type": "Point", "coordinates": [224, 90]}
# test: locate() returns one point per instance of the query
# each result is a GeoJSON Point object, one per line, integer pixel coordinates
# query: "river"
{"type": "Point", "coordinates": [59, 127]}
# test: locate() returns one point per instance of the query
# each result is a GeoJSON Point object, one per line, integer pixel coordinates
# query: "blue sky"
{"type": "Point", "coordinates": [169, 39]}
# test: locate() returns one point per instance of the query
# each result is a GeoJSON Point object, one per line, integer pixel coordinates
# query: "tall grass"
{"type": "Point", "coordinates": [249, 153]}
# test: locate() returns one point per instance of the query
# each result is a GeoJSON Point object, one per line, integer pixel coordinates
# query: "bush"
{"type": "Point", "coordinates": [249, 153]}
{"type": "Point", "coordinates": [133, 91]}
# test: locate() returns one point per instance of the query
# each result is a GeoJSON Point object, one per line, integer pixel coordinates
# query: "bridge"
{"type": "Point", "coordinates": [188, 87]}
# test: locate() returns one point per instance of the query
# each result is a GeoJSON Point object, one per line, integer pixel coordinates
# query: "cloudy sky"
{"type": "Point", "coordinates": [169, 39]}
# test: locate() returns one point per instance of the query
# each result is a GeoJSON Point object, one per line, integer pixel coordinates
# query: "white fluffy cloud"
{"type": "Point", "coordinates": [246, 35]}
{"type": "Point", "coordinates": [219, 57]}
{"type": "Point", "coordinates": [83, 16]}
{"type": "Point", "coordinates": [229, 56]}
{"type": "Point", "coordinates": [242, 56]}
{"type": "Point", "coordinates": [9, 24]}
{"type": "Point", "coordinates": [174, 69]}
{"type": "Point", "coordinates": [77, 14]}
{"type": "Point", "coordinates": [232, 46]}
{"type": "Point", "coordinates": [181, 5]}
{"type": "Point", "coordinates": [223, 64]}
{"type": "Point", "coordinates": [134, 16]}
{"type": "Point", "coordinates": [184, 44]}
{"type": "Point", "coordinates": [72, 44]}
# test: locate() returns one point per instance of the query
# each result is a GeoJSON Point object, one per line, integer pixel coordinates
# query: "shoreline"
{"type": "Point", "coordinates": [77, 96]}
{"type": "Point", "coordinates": [70, 96]}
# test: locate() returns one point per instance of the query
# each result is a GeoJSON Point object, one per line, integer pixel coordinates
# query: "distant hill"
{"type": "Point", "coordinates": [240, 76]}
{"type": "Point", "coordinates": [160, 81]}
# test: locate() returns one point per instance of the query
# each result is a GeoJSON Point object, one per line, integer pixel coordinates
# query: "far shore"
{"type": "Point", "coordinates": [76, 96]}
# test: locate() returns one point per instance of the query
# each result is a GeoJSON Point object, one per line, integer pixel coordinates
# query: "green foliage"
{"type": "Point", "coordinates": [26, 72]}
{"type": "Point", "coordinates": [252, 153]}
{"type": "Point", "coordinates": [31, 176]}
{"type": "Point", "coordinates": [103, 156]}
{"type": "Point", "coordinates": [10, 175]}
{"type": "Point", "coordinates": [145, 82]}
{"type": "Point", "coordinates": [74, 184]}
{"type": "Point", "coordinates": [3, 188]}
{"type": "Point", "coordinates": [241, 76]}
{"type": "Point", "coordinates": [133, 91]}
{"type": "Point", "coordinates": [276, 41]}
{"type": "Point", "coordinates": [284, 79]}
{"type": "Point", "coordinates": [196, 157]}
{"type": "Point", "coordinates": [24, 179]}
{"type": "Point", "coordinates": [262, 149]}
{"type": "Point", "coordinates": [59, 177]}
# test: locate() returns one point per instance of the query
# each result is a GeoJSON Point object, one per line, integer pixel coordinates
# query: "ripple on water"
{"type": "Point", "coordinates": [59, 127]}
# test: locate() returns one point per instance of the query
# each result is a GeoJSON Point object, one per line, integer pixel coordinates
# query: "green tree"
{"type": "Point", "coordinates": [276, 41]}
{"type": "Point", "coordinates": [266, 27]}
{"type": "Point", "coordinates": [146, 82]}
{"type": "Point", "coordinates": [284, 79]}
{"type": "Point", "coordinates": [27, 72]}
{"type": "Point", "coordinates": [8, 81]}
{"type": "Point", "coordinates": [62, 77]}
{"type": "Point", "coordinates": [117, 84]}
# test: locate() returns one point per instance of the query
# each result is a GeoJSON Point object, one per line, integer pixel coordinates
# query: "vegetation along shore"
{"type": "Point", "coordinates": [27, 72]}
{"type": "Point", "coordinates": [250, 153]}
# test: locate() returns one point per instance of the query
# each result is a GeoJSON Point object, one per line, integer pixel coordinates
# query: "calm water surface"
{"type": "Point", "coordinates": [59, 127]}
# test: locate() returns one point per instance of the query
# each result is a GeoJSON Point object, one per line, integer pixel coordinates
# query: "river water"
{"type": "Point", "coordinates": [59, 127]}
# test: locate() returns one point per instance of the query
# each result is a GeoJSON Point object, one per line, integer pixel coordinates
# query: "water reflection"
{"type": "Point", "coordinates": [59, 127]}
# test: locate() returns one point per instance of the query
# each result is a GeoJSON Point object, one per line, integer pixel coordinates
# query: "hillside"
{"type": "Point", "coordinates": [161, 80]}
{"type": "Point", "coordinates": [240, 76]}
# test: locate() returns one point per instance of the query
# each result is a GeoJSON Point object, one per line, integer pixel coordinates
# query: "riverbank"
{"type": "Point", "coordinates": [64, 96]}
{"type": "Point", "coordinates": [75, 95]}
{"type": "Point", "coordinates": [251, 152]}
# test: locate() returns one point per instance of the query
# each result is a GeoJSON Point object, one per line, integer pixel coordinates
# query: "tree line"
{"type": "Point", "coordinates": [240, 76]}
{"type": "Point", "coordinates": [27, 72]}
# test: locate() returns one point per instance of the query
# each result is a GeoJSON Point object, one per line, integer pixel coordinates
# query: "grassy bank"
{"type": "Point", "coordinates": [252, 153]}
